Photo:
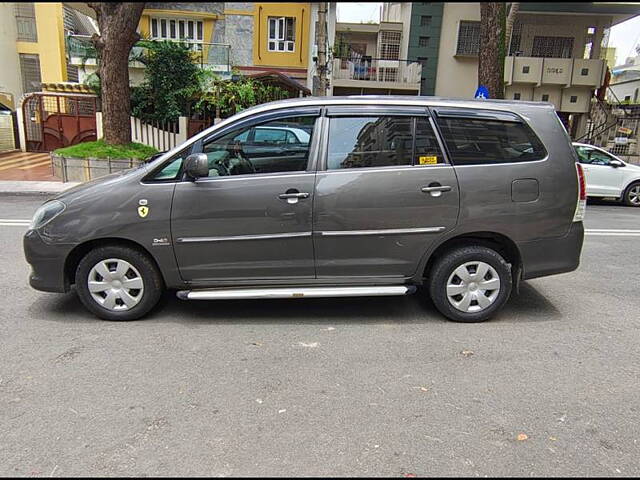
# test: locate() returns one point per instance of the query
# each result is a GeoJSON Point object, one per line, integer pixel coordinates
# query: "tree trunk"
{"type": "Point", "coordinates": [117, 23]}
{"type": "Point", "coordinates": [492, 49]}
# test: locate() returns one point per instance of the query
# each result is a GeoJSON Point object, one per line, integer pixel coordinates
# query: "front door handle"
{"type": "Point", "coordinates": [292, 196]}
{"type": "Point", "coordinates": [435, 189]}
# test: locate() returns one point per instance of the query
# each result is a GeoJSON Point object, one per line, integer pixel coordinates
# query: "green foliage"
{"type": "Point", "coordinates": [174, 85]}
{"type": "Point", "coordinates": [227, 97]}
{"type": "Point", "coordinates": [171, 78]}
{"type": "Point", "coordinates": [100, 149]}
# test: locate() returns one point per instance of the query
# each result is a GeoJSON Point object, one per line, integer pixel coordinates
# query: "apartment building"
{"type": "Point", "coordinates": [249, 37]}
{"type": "Point", "coordinates": [558, 52]}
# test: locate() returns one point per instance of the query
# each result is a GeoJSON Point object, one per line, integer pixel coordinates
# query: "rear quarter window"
{"type": "Point", "coordinates": [472, 141]}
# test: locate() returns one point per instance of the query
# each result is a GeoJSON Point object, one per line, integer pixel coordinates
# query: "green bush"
{"type": "Point", "coordinates": [100, 149]}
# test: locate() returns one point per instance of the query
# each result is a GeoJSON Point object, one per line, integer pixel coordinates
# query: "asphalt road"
{"type": "Point", "coordinates": [341, 387]}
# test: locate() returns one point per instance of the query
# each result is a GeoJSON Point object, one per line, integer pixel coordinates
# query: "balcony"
{"type": "Point", "coordinates": [561, 72]}
{"type": "Point", "coordinates": [377, 73]}
{"type": "Point", "coordinates": [210, 56]}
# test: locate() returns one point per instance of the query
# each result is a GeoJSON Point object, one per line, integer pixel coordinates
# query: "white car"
{"type": "Point", "coordinates": [608, 176]}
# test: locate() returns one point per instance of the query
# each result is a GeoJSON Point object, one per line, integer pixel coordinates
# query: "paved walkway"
{"type": "Point", "coordinates": [26, 166]}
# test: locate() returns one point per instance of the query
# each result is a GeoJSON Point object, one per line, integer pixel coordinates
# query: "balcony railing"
{"type": "Point", "coordinates": [212, 56]}
{"type": "Point", "coordinates": [377, 70]}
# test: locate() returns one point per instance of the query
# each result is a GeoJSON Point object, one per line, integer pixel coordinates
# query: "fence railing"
{"type": "Point", "coordinates": [377, 70]}
{"type": "Point", "coordinates": [213, 56]}
{"type": "Point", "coordinates": [161, 135]}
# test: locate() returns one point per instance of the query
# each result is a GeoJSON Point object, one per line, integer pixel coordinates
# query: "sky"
{"type": "Point", "coordinates": [623, 36]}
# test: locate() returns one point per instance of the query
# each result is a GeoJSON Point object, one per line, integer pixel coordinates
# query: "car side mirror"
{"type": "Point", "coordinates": [196, 165]}
{"type": "Point", "coordinates": [616, 163]}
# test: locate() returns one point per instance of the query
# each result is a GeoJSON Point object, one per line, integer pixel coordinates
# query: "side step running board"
{"type": "Point", "coordinates": [294, 292]}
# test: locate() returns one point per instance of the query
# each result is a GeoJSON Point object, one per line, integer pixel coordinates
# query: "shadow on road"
{"type": "Point", "coordinates": [529, 306]}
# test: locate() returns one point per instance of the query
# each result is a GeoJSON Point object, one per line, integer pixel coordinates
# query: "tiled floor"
{"type": "Point", "coordinates": [26, 166]}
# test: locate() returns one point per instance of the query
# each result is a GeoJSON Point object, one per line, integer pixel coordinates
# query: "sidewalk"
{"type": "Point", "coordinates": [29, 174]}
{"type": "Point", "coordinates": [30, 187]}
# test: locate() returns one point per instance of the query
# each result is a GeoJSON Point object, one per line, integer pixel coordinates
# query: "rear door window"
{"type": "Point", "coordinates": [381, 141]}
{"type": "Point", "coordinates": [474, 141]}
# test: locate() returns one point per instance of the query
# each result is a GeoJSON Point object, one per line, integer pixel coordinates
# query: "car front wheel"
{"type": "Point", "coordinates": [118, 283]}
{"type": "Point", "coordinates": [470, 284]}
{"type": "Point", "coordinates": [632, 195]}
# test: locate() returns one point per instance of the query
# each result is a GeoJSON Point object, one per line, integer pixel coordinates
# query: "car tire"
{"type": "Point", "coordinates": [444, 283]}
{"type": "Point", "coordinates": [631, 195]}
{"type": "Point", "coordinates": [118, 297]}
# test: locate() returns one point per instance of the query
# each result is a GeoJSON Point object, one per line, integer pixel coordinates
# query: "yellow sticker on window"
{"type": "Point", "coordinates": [428, 160]}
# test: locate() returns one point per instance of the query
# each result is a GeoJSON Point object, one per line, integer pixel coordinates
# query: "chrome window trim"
{"type": "Point", "coordinates": [390, 168]}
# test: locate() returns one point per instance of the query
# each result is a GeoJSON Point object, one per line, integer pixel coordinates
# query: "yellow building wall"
{"type": "Point", "coordinates": [261, 55]}
{"type": "Point", "coordinates": [208, 22]}
{"type": "Point", "coordinates": [50, 45]}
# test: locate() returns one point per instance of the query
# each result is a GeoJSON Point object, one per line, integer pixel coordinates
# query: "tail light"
{"type": "Point", "coordinates": [581, 206]}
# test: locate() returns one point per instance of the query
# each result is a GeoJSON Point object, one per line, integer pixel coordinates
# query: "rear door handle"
{"type": "Point", "coordinates": [292, 196]}
{"type": "Point", "coordinates": [439, 188]}
{"type": "Point", "coordinates": [435, 189]}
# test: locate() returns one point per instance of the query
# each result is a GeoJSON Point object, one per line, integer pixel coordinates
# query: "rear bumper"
{"type": "Point", "coordinates": [47, 263]}
{"type": "Point", "coordinates": [552, 256]}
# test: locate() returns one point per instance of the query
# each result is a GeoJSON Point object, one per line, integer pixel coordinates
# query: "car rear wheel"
{"type": "Point", "coordinates": [632, 195]}
{"type": "Point", "coordinates": [470, 284]}
{"type": "Point", "coordinates": [118, 283]}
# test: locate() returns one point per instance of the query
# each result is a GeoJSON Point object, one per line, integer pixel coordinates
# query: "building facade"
{"type": "Point", "coordinates": [32, 46]}
{"type": "Point", "coordinates": [250, 38]}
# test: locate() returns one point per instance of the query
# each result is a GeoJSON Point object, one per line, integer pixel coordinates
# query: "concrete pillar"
{"type": "Point", "coordinates": [597, 40]}
{"type": "Point", "coordinates": [183, 126]}
{"type": "Point", "coordinates": [99, 132]}
{"type": "Point", "coordinates": [20, 120]}
{"type": "Point", "coordinates": [580, 124]}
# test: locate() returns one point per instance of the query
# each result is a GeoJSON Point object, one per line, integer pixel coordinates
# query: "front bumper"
{"type": "Point", "coordinates": [47, 263]}
{"type": "Point", "coordinates": [552, 256]}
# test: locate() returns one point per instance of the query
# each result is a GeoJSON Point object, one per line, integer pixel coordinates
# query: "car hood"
{"type": "Point", "coordinates": [102, 184]}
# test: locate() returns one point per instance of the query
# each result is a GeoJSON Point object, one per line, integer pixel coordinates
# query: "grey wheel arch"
{"type": "Point", "coordinates": [496, 241]}
{"type": "Point", "coordinates": [79, 251]}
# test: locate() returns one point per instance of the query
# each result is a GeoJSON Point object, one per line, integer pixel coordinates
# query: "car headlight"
{"type": "Point", "coordinates": [46, 213]}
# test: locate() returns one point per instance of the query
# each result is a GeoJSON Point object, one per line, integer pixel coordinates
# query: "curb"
{"type": "Point", "coordinates": [27, 187]}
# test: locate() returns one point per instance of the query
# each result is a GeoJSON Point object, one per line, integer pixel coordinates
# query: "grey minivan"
{"type": "Point", "coordinates": [336, 196]}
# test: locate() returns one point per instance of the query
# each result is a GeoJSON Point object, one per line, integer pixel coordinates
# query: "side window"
{"type": "Point", "coordinates": [479, 141]}
{"type": "Point", "coordinates": [265, 151]}
{"type": "Point", "coordinates": [427, 148]}
{"type": "Point", "coordinates": [172, 169]}
{"type": "Point", "coordinates": [357, 142]}
{"type": "Point", "coordinates": [594, 157]}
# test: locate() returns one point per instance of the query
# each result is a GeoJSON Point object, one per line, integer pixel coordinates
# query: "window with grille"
{"type": "Point", "coordinates": [425, 20]}
{"type": "Point", "coordinates": [26, 22]}
{"type": "Point", "coordinates": [390, 45]}
{"type": "Point", "coordinates": [468, 38]}
{"type": "Point", "coordinates": [423, 42]}
{"type": "Point", "coordinates": [30, 72]}
{"type": "Point", "coordinates": [552, 47]}
{"type": "Point", "coordinates": [183, 29]}
{"type": "Point", "coordinates": [282, 34]}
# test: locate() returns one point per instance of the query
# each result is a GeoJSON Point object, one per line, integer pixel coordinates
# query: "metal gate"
{"type": "Point", "coordinates": [53, 120]}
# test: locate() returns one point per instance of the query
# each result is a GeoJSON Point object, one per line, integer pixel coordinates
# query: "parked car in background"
{"type": "Point", "coordinates": [608, 176]}
{"type": "Point", "coordinates": [327, 197]}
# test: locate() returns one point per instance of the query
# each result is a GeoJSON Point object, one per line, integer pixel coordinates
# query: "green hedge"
{"type": "Point", "coordinates": [100, 149]}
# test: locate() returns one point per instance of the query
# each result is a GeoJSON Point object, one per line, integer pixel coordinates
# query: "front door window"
{"type": "Point", "coordinates": [277, 146]}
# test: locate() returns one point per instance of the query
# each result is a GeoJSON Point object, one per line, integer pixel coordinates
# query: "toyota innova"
{"type": "Point", "coordinates": [327, 197]}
